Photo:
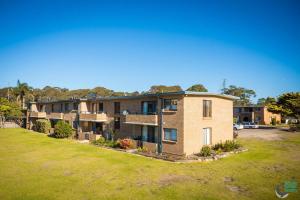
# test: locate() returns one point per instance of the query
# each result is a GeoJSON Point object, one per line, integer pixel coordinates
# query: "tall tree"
{"type": "Point", "coordinates": [197, 88]}
{"type": "Point", "coordinates": [244, 94]}
{"type": "Point", "coordinates": [163, 88]}
{"type": "Point", "coordinates": [287, 104]}
{"type": "Point", "coordinates": [266, 101]}
{"type": "Point", "coordinates": [21, 90]}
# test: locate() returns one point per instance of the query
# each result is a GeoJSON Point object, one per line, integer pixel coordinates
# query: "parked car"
{"type": "Point", "coordinates": [250, 125]}
{"type": "Point", "coordinates": [238, 127]}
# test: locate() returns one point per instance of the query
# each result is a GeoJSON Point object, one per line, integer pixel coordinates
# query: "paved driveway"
{"type": "Point", "coordinates": [266, 134]}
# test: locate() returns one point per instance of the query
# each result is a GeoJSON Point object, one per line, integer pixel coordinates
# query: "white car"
{"type": "Point", "coordinates": [238, 127]}
{"type": "Point", "coordinates": [250, 125]}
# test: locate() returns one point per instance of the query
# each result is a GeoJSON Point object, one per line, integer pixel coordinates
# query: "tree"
{"type": "Point", "coordinates": [21, 90]}
{"type": "Point", "coordinates": [287, 104]}
{"type": "Point", "coordinates": [243, 93]}
{"type": "Point", "coordinates": [62, 130]}
{"type": "Point", "coordinates": [163, 88]}
{"type": "Point", "coordinates": [10, 110]}
{"type": "Point", "coordinates": [266, 101]}
{"type": "Point", "coordinates": [197, 88]}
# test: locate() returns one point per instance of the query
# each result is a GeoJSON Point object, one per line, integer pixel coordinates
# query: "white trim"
{"type": "Point", "coordinates": [141, 123]}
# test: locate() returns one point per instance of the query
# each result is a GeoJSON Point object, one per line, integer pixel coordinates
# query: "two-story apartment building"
{"type": "Point", "coordinates": [255, 113]}
{"type": "Point", "coordinates": [178, 123]}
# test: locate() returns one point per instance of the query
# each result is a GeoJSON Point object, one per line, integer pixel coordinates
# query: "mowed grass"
{"type": "Point", "coordinates": [34, 166]}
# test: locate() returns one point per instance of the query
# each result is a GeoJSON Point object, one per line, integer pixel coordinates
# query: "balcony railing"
{"type": "Point", "coordinates": [55, 115]}
{"type": "Point", "coordinates": [38, 114]}
{"type": "Point", "coordinates": [141, 119]}
{"type": "Point", "coordinates": [98, 117]}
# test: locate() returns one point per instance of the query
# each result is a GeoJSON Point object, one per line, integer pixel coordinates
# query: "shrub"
{"type": "Point", "coordinates": [218, 151]}
{"type": "Point", "coordinates": [42, 126]}
{"type": "Point", "coordinates": [218, 146]}
{"type": "Point", "coordinates": [126, 143]}
{"type": "Point", "coordinates": [142, 149]}
{"type": "Point", "coordinates": [230, 145]}
{"type": "Point", "coordinates": [273, 121]}
{"type": "Point", "coordinates": [62, 130]}
{"type": "Point", "coordinates": [294, 127]}
{"type": "Point", "coordinates": [100, 141]}
{"type": "Point", "coordinates": [205, 151]}
{"type": "Point", "coordinates": [235, 134]}
{"type": "Point", "coordinates": [112, 144]}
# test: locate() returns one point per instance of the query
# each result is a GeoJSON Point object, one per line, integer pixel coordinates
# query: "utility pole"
{"type": "Point", "coordinates": [223, 86]}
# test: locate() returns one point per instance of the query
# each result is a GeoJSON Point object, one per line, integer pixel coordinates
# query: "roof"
{"type": "Point", "coordinates": [250, 106]}
{"type": "Point", "coordinates": [187, 93]}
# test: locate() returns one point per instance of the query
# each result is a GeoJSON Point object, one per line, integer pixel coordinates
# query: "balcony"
{"type": "Point", "coordinates": [141, 119]}
{"type": "Point", "coordinates": [94, 117]}
{"type": "Point", "coordinates": [55, 115]}
{"type": "Point", "coordinates": [38, 114]}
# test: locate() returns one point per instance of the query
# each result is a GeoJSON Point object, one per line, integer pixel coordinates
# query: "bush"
{"type": "Point", "coordinates": [112, 144]}
{"type": "Point", "coordinates": [42, 126]}
{"type": "Point", "coordinates": [205, 151]}
{"type": "Point", "coordinates": [235, 134]}
{"type": "Point", "coordinates": [294, 127]}
{"type": "Point", "coordinates": [218, 146]}
{"type": "Point", "coordinates": [62, 130]}
{"type": "Point", "coordinates": [126, 143]}
{"type": "Point", "coordinates": [273, 121]}
{"type": "Point", "coordinates": [230, 145]}
{"type": "Point", "coordinates": [142, 149]}
{"type": "Point", "coordinates": [100, 141]}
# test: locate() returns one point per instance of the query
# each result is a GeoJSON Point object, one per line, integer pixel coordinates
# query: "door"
{"type": "Point", "coordinates": [145, 108]}
{"type": "Point", "coordinates": [207, 136]}
{"type": "Point", "coordinates": [145, 133]}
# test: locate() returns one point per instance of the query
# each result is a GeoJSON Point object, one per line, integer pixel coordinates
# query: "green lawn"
{"type": "Point", "coordinates": [34, 166]}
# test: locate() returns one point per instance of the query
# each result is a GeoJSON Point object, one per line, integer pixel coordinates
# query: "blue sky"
{"type": "Point", "coordinates": [131, 45]}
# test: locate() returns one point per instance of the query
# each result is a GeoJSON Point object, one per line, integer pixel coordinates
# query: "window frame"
{"type": "Point", "coordinates": [207, 108]}
{"type": "Point", "coordinates": [170, 131]}
{"type": "Point", "coordinates": [119, 107]}
{"type": "Point", "coordinates": [101, 108]}
{"type": "Point", "coordinates": [173, 102]}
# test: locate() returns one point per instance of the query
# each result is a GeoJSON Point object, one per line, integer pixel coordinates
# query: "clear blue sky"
{"type": "Point", "coordinates": [131, 45]}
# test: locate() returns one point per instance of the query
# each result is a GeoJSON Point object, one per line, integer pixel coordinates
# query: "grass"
{"type": "Point", "coordinates": [34, 166]}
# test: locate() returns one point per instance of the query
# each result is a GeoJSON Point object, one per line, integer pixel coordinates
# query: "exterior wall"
{"type": "Point", "coordinates": [269, 115]}
{"type": "Point", "coordinates": [220, 122]}
{"type": "Point", "coordinates": [259, 115]}
{"type": "Point", "coordinates": [187, 119]}
{"type": "Point", "coordinates": [174, 119]}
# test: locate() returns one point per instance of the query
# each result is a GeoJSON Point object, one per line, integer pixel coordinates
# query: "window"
{"type": "Point", "coordinates": [117, 123]}
{"type": "Point", "coordinates": [170, 134]}
{"type": "Point", "coordinates": [170, 104]}
{"type": "Point", "coordinates": [75, 106]}
{"type": "Point", "coordinates": [52, 107]}
{"type": "Point", "coordinates": [61, 107]}
{"type": "Point", "coordinates": [117, 107]}
{"type": "Point", "coordinates": [207, 136]}
{"type": "Point", "coordinates": [148, 134]}
{"type": "Point", "coordinates": [207, 108]}
{"type": "Point", "coordinates": [66, 107]}
{"type": "Point", "coordinates": [148, 107]}
{"type": "Point", "coordinates": [101, 107]}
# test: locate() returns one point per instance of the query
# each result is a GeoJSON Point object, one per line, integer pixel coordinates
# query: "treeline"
{"type": "Point", "coordinates": [24, 93]}
{"type": "Point", "coordinates": [13, 99]}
